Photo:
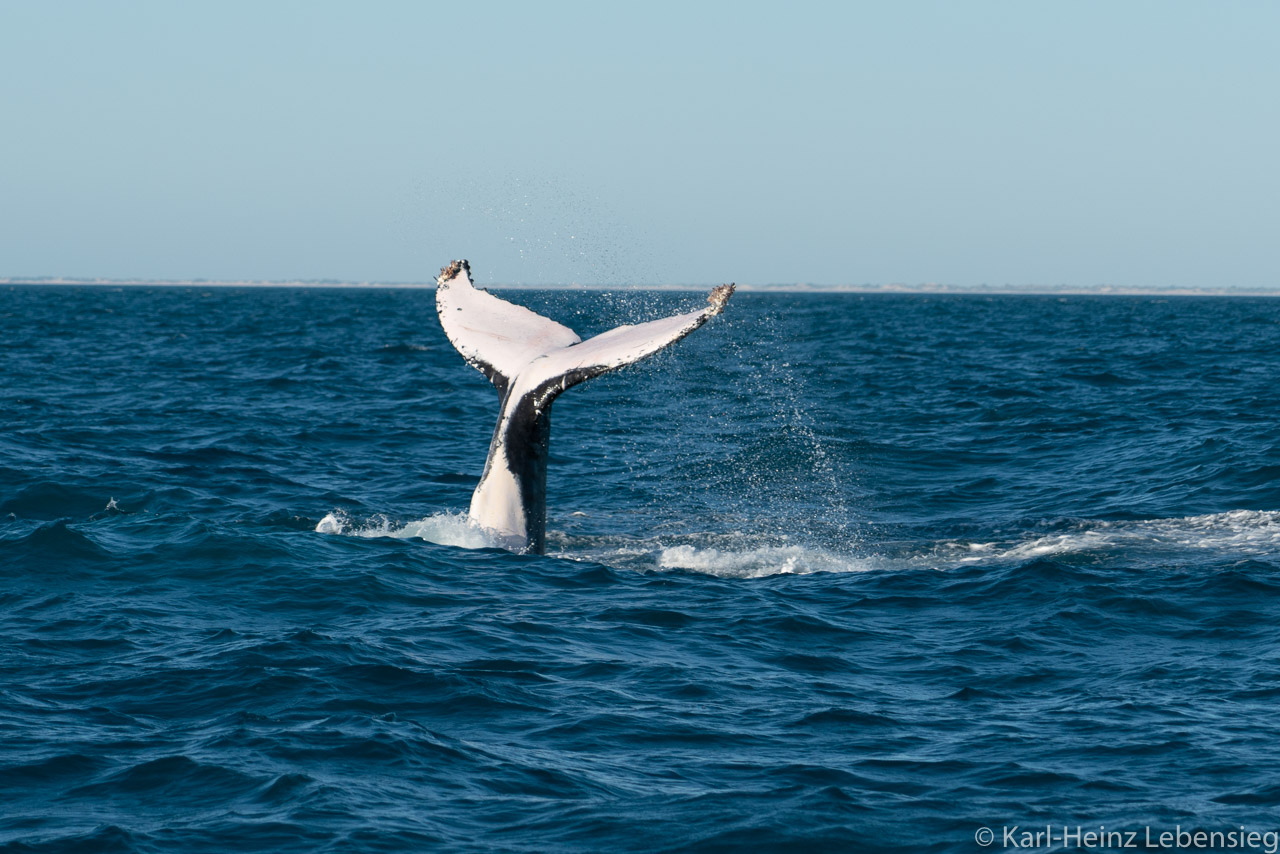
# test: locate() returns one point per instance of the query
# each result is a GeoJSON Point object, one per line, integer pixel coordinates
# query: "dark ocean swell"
{"type": "Point", "coordinates": [838, 573]}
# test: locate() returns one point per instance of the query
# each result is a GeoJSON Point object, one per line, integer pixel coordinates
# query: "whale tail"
{"type": "Point", "coordinates": [531, 360]}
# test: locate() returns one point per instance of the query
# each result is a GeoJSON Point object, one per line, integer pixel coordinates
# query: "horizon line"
{"type": "Point", "coordinates": [797, 287]}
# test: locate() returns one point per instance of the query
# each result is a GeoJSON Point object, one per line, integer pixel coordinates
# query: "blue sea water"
{"type": "Point", "coordinates": [836, 573]}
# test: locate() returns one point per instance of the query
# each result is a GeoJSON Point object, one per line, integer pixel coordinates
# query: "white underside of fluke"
{"type": "Point", "coordinates": [531, 359]}
{"type": "Point", "coordinates": [491, 333]}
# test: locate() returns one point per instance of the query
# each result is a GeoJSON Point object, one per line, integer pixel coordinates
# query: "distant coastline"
{"type": "Point", "coordinates": [799, 287]}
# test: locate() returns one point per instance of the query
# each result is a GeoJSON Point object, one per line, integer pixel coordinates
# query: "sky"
{"type": "Point", "coordinates": [1075, 143]}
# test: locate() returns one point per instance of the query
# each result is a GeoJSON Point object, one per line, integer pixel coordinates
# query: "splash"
{"type": "Point", "coordinates": [1246, 533]}
{"type": "Point", "coordinates": [760, 562]}
{"type": "Point", "coordinates": [727, 555]}
{"type": "Point", "coordinates": [445, 529]}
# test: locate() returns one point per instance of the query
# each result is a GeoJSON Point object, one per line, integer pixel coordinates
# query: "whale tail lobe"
{"type": "Point", "coordinates": [531, 360]}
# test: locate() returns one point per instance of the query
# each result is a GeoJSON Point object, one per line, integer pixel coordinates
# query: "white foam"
{"type": "Point", "coordinates": [759, 562]}
{"type": "Point", "coordinates": [1246, 533]}
{"type": "Point", "coordinates": [1243, 532]}
{"type": "Point", "coordinates": [330, 524]}
{"type": "Point", "coordinates": [445, 529]}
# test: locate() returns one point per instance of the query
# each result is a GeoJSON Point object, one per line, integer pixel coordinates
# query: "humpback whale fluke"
{"type": "Point", "coordinates": [531, 359]}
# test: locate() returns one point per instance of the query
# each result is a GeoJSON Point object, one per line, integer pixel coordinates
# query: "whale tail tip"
{"type": "Point", "coordinates": [718, 297]}
{"type": "Point", "coordinates": [451, 270]}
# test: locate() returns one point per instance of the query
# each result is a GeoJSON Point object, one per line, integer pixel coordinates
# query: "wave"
{"type": "Point", "coordinates": [49, 500]}
{"type": "Point", "coordinates": [53, 546]}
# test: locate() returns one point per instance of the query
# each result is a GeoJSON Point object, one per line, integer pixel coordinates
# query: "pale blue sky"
{"type": "Point", "coordinates": [1132, 143]}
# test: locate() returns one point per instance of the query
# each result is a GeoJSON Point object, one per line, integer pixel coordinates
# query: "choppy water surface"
{"type": "Point", "coordinates": [836, 573]}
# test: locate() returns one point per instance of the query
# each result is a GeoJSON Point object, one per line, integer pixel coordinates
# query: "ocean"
{"type": "Point", "coordinates": [836, 573]}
